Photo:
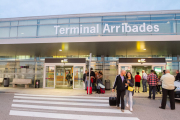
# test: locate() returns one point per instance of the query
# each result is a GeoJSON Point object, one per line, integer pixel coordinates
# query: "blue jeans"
{"type": "Point", "coordinates": [144, 85]}
{"type": "Point", "coordinates": [129, 98]}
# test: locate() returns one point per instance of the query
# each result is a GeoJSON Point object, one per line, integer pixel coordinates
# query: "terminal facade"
{"type": "Point", "coordinates": [48, 48]}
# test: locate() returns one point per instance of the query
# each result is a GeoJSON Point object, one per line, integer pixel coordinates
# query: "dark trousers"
{"type": "Point", "coordinates": [170, 93]}
{"type": "Point", "coordinates": [152, 88]}
{"type": "Point", "coordinates": [120, 95]}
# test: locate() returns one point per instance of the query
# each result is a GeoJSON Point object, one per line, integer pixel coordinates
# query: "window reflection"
{"type": "Point", "coordinates": [137, 17]}
{"type": "Point", "coordinates": [27, 31]}
{"type": "Point", "coordinates": [28, 22]}
{"type": "Point", "coordinates": [114, 18]}
{"type": "Point", "coordinates": [163, 17]}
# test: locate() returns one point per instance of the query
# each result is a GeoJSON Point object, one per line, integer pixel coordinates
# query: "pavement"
{"type": "Point", "coordinates": [16, 106]}
{"type": "Point", "coordinates": [64, 92]}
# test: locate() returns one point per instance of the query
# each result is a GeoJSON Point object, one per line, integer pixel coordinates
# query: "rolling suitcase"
{"type": "Point", "coordinates": [112, 101]}
{"type": "Point", "coordinates": [102, 90]}
{"type": "Point", "coordinates": [90, 90]}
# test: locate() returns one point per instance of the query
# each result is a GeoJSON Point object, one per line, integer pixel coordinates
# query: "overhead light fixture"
{"type": "Point", "coordinates": [144, 49]}
{"type": "Point", "coordinates": [60, 49]}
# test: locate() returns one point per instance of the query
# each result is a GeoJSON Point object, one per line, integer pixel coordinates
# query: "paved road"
{"type": "Point", "coordinates": [41, 107]}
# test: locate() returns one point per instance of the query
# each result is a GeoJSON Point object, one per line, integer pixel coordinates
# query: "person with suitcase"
{"type": "Point", "coordinates": [120, 84]}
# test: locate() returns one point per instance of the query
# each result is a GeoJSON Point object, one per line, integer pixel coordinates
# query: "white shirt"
{"type": "Point", "coordinates": [144, 76]}
{"type": "Point", "coordinates": [168, 81]}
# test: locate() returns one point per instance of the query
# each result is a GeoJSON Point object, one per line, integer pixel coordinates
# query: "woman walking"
{"type": "Point", "coordinates": [129, 93]}
{"type": "Point", "coordinates": [137, 80]}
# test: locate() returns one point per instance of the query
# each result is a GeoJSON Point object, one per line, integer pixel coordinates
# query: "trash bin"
{"type": "Point", "coordinates": [37, 85]}
{"type": "Point", "coordinates": [6, 82]}
{"type": "Point", "coordinates": [107, 84]}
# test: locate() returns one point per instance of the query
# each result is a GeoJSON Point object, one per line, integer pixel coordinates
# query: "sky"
{"type": "Point", "coordinates": [25, 8]}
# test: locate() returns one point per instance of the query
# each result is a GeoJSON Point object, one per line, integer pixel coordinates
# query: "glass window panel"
{"type": "Point", "coordinates": [68, 30]}
{"type": "Point", "coordinates": [114, 18]}
{"type": "Point", "coordinates": [48, 21]}
{"type": "Point", "coordinates": [177, 16]}
{"type": "Point", "coordinates": [90, 29]}
{"type": "Point", "coordinates": [28, 22]}
{"type": "Point", "coordinates": [27, 31]}
{"type": "Point", "coordinates": [74, 20]}
{"type": "Point", "coordinates": [164, 26]}
{"type": "Point", "coordinates": [163, 17]}
{"type": "Point", "coordinates": [4, 23]}
{"type": "Point", "coordinates": [113, 28]}
{"type": "Point", "coordinates": [64, 20]}
{"type": "Point", "coordinates": [14, 23]}
{"type": "Point", "coordinates": [178, 27]}
{"type": "Point", "coordinates": [172, 66]}
{"type": "Point", "coordinates": [47, 30]}
{"type": "Point", "coordinates": [137, 17]}
{"type": "Point", "coordinates": [78, 77]}
{"type": "Point", "coordinates": [91, 19]}
{"type": "Point", "coordinates": [4, 32]}
{"type": "Point", "coordinates": [138, 28]}
{"type": "Point", "coordinates": [13, 31]}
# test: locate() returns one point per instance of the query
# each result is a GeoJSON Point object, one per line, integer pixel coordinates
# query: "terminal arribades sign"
{"type": "Point", "coordinates": [123, 28]}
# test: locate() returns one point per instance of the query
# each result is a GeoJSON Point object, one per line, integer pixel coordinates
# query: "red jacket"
{"type": "Point", "coordinates": [137, 78]}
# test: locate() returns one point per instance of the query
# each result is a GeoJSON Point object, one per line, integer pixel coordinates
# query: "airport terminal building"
{"type": "Point", "coordinates": [47, 48]}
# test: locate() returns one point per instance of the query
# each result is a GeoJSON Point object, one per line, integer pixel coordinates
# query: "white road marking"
{"type": "Point", "coordinates": [67, 116]}
{"type": "Point", "coordinates": [60, 103]}
{"type": "Point", "coordinates": [71, 108]}
{"type": "Point", "coordinates": [62, 96]}
{"type": "Point", "coordinates": [44, 98]}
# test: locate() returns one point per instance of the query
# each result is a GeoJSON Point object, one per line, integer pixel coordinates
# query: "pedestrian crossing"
{"type": "Point", "coordinates": [67, 107]}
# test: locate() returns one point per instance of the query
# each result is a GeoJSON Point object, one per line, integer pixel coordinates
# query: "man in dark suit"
{"type": "Point", "coordinates": [120, 84]}
{"type": "Point", "coordinates": [84, 79]}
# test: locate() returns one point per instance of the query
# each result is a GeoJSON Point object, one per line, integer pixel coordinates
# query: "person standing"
{"type": "Point", "coordinates": [144, 81]}
{"type": "Point", "coordinates": [85, 79]}
{"type": "Point", "coordinates": [177, 75]}
{"type": "Point", "coordinates": [137, 81]}
{"type": "Point", "coordinates": [152, 80]}
{"type": "Point", "coordinates": [68, 77]}
{"type": "Point", "coordinates": [168, 89]}
{"type": "Point", "coordinates": [92, 75]}
{"type": "Point", "coordinates": [120, 85]}
{"type": "Point", "coordinates": [129, 94]}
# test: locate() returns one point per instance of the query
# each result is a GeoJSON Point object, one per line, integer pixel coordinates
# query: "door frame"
{"type": "Point", "coordinates": [140, 64]}
{"type": "Point", "coordinates": [61, 64]}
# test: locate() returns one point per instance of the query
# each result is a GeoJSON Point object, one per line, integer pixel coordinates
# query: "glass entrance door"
{"type": "Point", "coordinates": [64, 77]}
{"type": "Point", "coordinates": [78, 77]}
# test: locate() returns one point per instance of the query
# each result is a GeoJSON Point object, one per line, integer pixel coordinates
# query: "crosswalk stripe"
{"type": "Point", "coordinates": [44, 98]}
{"type": "Point", "coordinates": [60, 103]}
{"type": "Point", "coordinates": [67, 116]}
{"type": "Point", "coordinates": [71, 108]}
{"type": "Point", "coordinates": [62, 96]}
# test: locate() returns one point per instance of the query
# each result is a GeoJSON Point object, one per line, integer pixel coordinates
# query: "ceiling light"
{"type": "Point", "coordinates": [144, 49]}
{"type": "Point", "coordinates": [60, 49]}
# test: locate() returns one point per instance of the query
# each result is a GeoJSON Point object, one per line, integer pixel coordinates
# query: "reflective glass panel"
{"type": "Point", "coordinates": [68, 30]}
{"type": "Point", "coordinates": [4, 24]}
{"type": "Point", "coordinates": [172, 66]}
{"type": "Point", "coordinates": [47, 30]}
{"type": "Point", "coordinates": [114, 18]}
{"type": "Point", "coordinates": [49, 80]}
{"type": "Point", "coordinates": [63, 20]}
{"type": "Point", "coordinates": [13, 31]}
{"type": "Point", "coordinates": [178, 27]}
{"type": "Point", "coordinates": [27, 31]}
{"type": "Point", "coordinates": [48, 21]}
{"type": "Point", "coordinates": [28, 22]}
{"type": "Point", "coordinates": [137, 17]}
{"type": "Point", "coordinates": [163, 17]}
{"type": "Point", "coordinates": [138, 28]}
{"type": "Point", "coordinates": [91, 19]}
{"type": "Point", "coordinates": [177, 16]}
{"type": "Point", "coordinates": [4, 32]}
{"type": "Point", "coordinates": [14, 23]}
{"type": "Point", "coordinates": [164, 26]}
{"type": "Point", "coordinates": [90, 29]}
{"type": "Point", "coordinates": [114, 28]}
{"type": "Point", "coordinates": [74, 20]}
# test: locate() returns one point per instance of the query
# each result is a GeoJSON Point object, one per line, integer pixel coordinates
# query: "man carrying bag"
{"type": "Point", "coordinates": [120, 84]}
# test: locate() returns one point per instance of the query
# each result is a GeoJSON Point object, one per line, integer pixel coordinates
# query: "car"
{"type": "Point", "coordinates": [177, 90]}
